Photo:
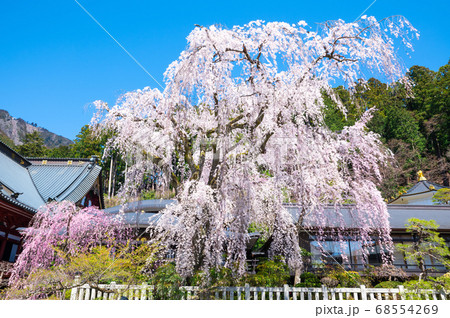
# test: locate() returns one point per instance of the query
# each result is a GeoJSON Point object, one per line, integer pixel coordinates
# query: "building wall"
{"type": "Point", "coordinates": [349, 254]}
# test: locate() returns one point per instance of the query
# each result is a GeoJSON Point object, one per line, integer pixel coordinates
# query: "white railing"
{"type": "Point", "coordinates": [144, 291]}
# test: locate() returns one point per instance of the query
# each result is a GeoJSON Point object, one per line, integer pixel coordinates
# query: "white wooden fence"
{"type": "Point", "coordinates": [144, 291]}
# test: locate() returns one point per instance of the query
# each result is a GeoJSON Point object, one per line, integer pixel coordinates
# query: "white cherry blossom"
{"type": "Point", "coordinates": [239, 130]}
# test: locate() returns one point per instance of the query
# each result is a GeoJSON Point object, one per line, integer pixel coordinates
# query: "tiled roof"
{"type": "Point", "coordinates": [82, 185]}
{"type": "Point", "coordinates": [398, 215]}
{"type": "Point", "coordinates": [423, 186]}
{"type": "Point", "coordinates": [16, 178]}
{"type": "Point", "coordinates": [64, 182]}
{"type": "Point", "coordinates": [15, 156]}
{"type": "Point", "coordinates": [141, 214]}
{"type": "Point", "coordinates": [7, 198]}
{"type": "Point", "coordinates": [154, 205]}
{"type": "Point", "coordinates": [40, 179]}
{"type": "Point", "coordinates": [36, 160]}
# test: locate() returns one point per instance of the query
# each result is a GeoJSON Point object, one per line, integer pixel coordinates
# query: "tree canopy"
{"type": "Point", "coordinates": [33, 145]}
{"type": "Point", "coordinates": [416, 128]}
{"type": "Point", "coordinates": [427, 244]}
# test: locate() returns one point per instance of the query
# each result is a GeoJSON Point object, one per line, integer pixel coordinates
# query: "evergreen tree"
{"type": "Point", "coordinates": [60, 152]}
{"type": "Point", "coordinates": [87, 145]}
{"type": "Point", "coordinates": [427, 244]}
{"type": "Point", "coordinates": [33, 146]}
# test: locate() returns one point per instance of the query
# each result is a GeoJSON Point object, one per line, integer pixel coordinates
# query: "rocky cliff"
{"type": "Point", "coordinates": [17, 128]}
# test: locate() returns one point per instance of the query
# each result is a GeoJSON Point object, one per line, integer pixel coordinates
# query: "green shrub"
{"type": "Point", "coordinates": [345, 278]}
{"type": "Point", "coordinates": [309, 280]}
{"type": "Point", "coordinates": [349, 279]}
{"type": "Point", "coordinates": [218, 277]}
{"type": "Point", "coordinates": [385, 272]}
{"type": "Point", "coordinates": [422, 284]}
{"type": "Point", "coordinates": [166, 283]}
{"type": "Point", "coordinates": [412, 287]}
{"type": "Point", "coordinates": [444, 280]}
{"type": "Point", "coordinates": [329, 282]}
{"type": "Point", "coordinates": [271, 273]}
{"type": "Point", "coordinates": [388, 284]}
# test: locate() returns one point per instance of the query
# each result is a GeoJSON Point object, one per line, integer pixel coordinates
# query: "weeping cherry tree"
{"type": "Point", "coordinates": [60, 231]}
{"type": "Point", "coordinates": [239, 130]}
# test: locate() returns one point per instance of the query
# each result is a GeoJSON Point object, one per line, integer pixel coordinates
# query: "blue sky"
{"type": "Point", "coordinates": [54, 60]}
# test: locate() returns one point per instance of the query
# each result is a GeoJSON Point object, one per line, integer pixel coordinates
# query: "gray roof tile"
{"type": "Point", "coordinates": [16, 178]}
{"type": "Point", "coordinates": [57, 180]}
{"type": "Point", "coordinates": [423, 186]}
{"type": "Point", "coordinates": [82, 185]}
{"type": "Point", "coordinates": [64, 182]}
{"type": "Point", "coordinates": [52, 180]}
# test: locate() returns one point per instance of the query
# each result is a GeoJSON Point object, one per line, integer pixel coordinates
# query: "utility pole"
{"type": "Point", "coordinates": [110, 176]}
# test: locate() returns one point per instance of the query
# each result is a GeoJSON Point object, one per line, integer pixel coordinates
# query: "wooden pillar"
{"type": "Point", "coordinates": [3, 243]}
{"type": "Point", "coordinates": [3, 246]}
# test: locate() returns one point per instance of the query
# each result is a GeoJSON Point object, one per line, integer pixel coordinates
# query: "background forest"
{"type": "Point", "coordinates": [415, 129]}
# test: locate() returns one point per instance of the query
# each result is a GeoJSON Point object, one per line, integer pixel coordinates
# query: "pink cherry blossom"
{"type": "Point", "coordinates": [61, 227]}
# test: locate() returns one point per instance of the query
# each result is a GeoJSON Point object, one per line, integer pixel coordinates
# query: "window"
{"type": "Point", "coordinates": [374, 256]}
{"type": "Point", "coordinates": [10, 252]}
{"type": "Point", "coordinates": [333, 252]}
{"type": "Point", "coordinates": [356, 253]}
{"type": "Point", "coordinates": [401, 261]}
{"type": "Point", "coordinates": [399, 257]}
{"type": "Point", "coordinates": [349, 253]}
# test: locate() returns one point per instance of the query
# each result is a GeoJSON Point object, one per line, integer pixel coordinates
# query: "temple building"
{"type": "Point", "coordinates": [417, 202]}
{"type": "Point", "coordinates": [28, 183]}
{"type": "Point", "coordinates": [420, 194]}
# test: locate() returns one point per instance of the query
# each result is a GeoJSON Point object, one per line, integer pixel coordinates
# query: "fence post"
{"type": "Point", "coordinates": [363, 292]}
{"type": "Point", "coordinates": [74, 291]}
{"type": "Point", "coordinates": [247, 291]}
{"type": "Point", "coordinates": [401, 291]}
{"type": "Point", "coordinates": [112, 286]}
{"type": "Point", "coordinates": [325, 292]}
{"type": "Point", "coordinates": [144, 288]}
{"type": "Point", "coordinates": [286, 292]}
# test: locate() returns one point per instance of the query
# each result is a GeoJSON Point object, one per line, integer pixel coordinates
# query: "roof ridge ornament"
{"type": "Point", "coordinates": [421, 177]}
{"type": "Point", "coordinates": [15, 195]}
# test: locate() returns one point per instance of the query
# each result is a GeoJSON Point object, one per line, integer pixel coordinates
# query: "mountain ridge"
{"type": "Point", "coordinates": [16, 129]}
